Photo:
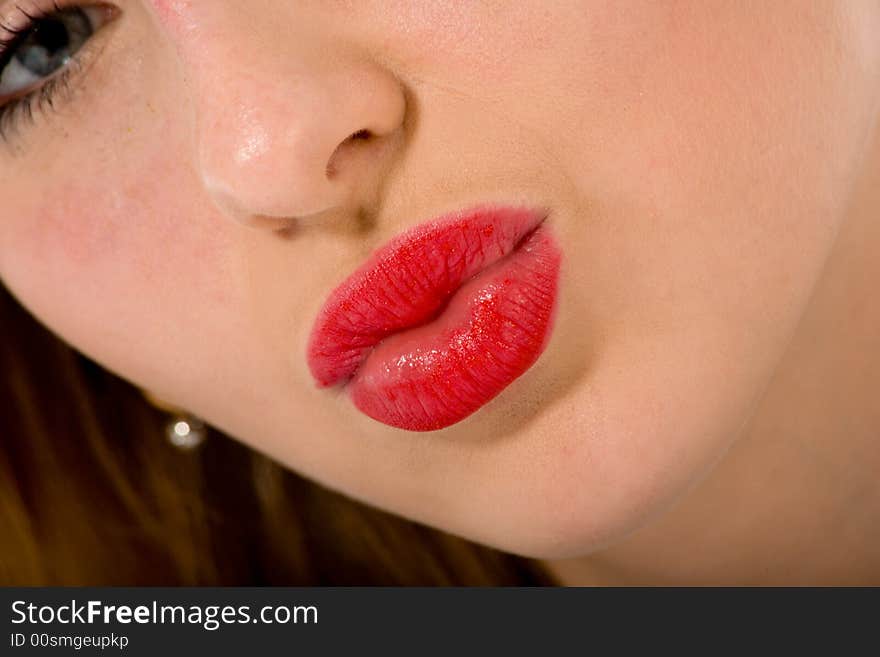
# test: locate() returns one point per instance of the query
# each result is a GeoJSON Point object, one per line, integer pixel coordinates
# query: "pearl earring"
{"type": "Point", "coordinates": [186, 432]}
{"type": "Point", "coordinates": [183, 429]}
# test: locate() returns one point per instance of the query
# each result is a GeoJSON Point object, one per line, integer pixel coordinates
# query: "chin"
{"type": "Point", "coordinates": [599, 484]}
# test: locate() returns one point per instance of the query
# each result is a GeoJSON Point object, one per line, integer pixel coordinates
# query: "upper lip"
{"type": "Point", "coordinates": [408, 281]}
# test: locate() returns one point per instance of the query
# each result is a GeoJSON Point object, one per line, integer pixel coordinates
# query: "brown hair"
{"type": "Point", "coordinates": [91, 493]}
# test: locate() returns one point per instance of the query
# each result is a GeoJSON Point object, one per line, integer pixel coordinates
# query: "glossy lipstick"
{"type": "Point", "coordinates": [442, 318]}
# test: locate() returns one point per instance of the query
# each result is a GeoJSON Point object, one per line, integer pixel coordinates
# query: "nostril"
{"type": "Point", "coordinates": [359, 136]}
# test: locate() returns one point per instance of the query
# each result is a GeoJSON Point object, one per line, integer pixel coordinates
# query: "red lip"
{"type": "Point", "coordinates": [441, 319]}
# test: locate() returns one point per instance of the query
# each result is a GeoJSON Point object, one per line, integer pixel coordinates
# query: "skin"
{"type": "Point", "coordinates": [705, 410]}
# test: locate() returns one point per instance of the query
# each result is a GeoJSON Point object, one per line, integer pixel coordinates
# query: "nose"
{"type": "Point", "coordinates": [288, 126]}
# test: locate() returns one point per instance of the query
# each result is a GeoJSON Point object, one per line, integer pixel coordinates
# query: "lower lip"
{"type": "Point", "coordinates": [424, 352]}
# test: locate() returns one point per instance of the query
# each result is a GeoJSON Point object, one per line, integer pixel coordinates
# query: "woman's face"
{"type": "Point", "coordinates": [186, 208]}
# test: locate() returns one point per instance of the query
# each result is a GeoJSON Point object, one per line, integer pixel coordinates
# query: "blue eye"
{"type": "Point", "coordinates": [35, 58]}
{"type": "Point", "coordinates": [42, 48]}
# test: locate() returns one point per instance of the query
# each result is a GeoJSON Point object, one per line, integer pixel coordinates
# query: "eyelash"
{"type": "Point", "coordinates": [25, 107]}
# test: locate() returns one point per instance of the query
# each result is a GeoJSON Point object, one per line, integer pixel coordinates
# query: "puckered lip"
{"type": "Point", "coordinates": [409, 281]}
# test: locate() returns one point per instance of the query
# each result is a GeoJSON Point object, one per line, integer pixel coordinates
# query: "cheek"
{"type": "Point", "coordinates": [109, 261]}
{"type": "Point", "coordinates": [721, 174]}
{"type": "Point", "coordinates": [725, 185]}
